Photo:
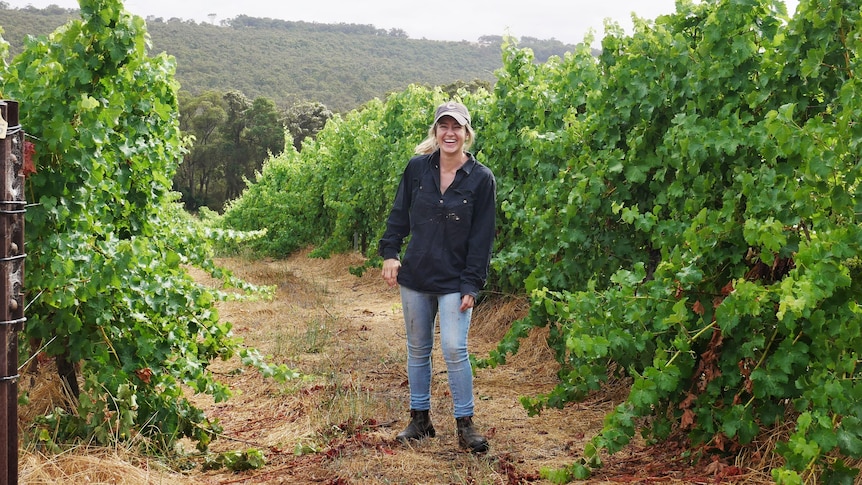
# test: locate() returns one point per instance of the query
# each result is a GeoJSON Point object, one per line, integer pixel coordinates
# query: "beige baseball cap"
{"type": "Point", "coordinates": [455, 110]}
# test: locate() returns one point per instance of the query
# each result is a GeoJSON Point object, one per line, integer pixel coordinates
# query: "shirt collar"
{"type": "Point", "coordinates": [467, 167]}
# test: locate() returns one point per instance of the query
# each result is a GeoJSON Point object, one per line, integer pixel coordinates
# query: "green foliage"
{"type": "Point", "coordinates": [230, 136]}
{"type": "Point", "coordinates": [304, 120]}
{"type": "Point", "coordinates": [237, 461]}
{"type": "Point", "coordinates": [107, 247]}
{"type": "Point", "coordinates": [4, 49]}
{"type": "Point", "coordinates": [251, 132]}
{"type": "Point", "coordinates": [530, 134]}
{"type": "Point", "coordinates": [708, 190]}
{"type": "Point", "coordinates": [198, 178]}
{"type": "Point", "coordinates": [683, 210]}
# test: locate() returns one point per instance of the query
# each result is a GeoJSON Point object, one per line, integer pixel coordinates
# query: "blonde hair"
{"type": "Point", "coordinates": [429, 144]}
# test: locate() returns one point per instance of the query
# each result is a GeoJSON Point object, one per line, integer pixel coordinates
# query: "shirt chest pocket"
{"type": "Point", "coordinates": [459, 207]}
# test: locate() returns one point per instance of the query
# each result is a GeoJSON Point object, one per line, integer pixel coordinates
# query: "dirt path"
{"type": "Point", "coordinates": [337, 425]}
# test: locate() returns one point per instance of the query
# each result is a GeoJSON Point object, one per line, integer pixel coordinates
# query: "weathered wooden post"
{"type": "Point", "coordinates": [12, 207]}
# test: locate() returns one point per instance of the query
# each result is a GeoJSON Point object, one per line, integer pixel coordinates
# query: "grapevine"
{"type": "Point", "coordinates": [720, 171]}
{"type": "Point", "coordinates": [107, 244]}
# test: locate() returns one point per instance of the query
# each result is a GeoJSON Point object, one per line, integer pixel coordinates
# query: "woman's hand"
{"type": "Point", "coordinates": [467, 302]}
{"type": "Point", "coordinates": [390, 271]}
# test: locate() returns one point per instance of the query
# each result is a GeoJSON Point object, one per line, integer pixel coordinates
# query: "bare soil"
{"type": "Point", "coordinates": [336, 425]}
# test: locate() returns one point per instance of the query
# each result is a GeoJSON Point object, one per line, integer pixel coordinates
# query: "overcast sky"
{"type": "Point", "coordinates": [564, 20]}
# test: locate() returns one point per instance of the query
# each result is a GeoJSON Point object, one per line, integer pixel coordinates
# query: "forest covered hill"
{"type": "Point", "coordinates": [339, 65]}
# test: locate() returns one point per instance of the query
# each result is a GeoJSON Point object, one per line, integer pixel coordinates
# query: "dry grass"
{"type": "Point", "coordinates": [93, 466]}
{"type": "Point", "coordinates": [337, 424]}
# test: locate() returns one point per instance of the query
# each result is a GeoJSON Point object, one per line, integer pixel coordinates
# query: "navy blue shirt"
{"type": "Point", "coordinates": [451, 233]}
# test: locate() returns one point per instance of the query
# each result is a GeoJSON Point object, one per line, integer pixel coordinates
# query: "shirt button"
{"type": "Point", "coordinates": [441, 201]}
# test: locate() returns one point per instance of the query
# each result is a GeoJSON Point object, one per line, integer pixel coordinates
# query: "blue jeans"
{"type": "Point", "coordinates": [420, 310]}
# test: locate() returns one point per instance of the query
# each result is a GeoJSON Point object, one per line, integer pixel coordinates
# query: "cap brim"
{"type": "Point", "coordinates": [454, 114]}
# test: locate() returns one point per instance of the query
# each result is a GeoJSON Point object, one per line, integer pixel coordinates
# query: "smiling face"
{"type": "Point", "coordinates": [450, 135]}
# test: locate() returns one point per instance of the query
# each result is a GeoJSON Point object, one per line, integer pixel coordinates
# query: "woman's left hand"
{"type": "Point", "coordinates": [467, 302]}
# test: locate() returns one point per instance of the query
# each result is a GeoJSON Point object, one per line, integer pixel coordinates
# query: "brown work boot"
{"type": "Point", "coordinates": [468, 437]}
{"type": "Point", "coordinates": [420, 426]}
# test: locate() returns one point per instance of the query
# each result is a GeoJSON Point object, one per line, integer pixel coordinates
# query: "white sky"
{"type": "Point", "coordinates": [564, 20]}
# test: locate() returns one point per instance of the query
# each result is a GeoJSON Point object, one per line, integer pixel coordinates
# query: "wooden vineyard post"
{"type": "Point", "coordinates": [12, 208]}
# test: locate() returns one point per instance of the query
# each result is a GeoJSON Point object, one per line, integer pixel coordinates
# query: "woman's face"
{"type": "Point", "coordinates": [450, 135]}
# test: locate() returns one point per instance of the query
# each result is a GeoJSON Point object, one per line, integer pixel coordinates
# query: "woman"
{"type": "Point", "coordinates": [445, 202]}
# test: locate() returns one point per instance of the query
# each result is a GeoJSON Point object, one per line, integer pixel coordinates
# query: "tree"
{"type": "Point", "coordinates": [490, 40]}
{"type": "Point", "coordinates": [230, 137]}
{"type": "Point", "coordinates": [305, 120]}
{"type": "Point", "coordinates": [264, 133]}
{"type": "Point", "coordinates": [473, 86]}
{"type": "Point", "coordinates": [201, 117]}
{"type": "Point", "coordinates": [236, 155]}
{"type": "Point", "coordinates": [251, 132]}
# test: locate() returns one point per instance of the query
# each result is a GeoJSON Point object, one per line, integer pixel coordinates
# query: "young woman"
{"type": "Point", "coordinates": [446, 202]}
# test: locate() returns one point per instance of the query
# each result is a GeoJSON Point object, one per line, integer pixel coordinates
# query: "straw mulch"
{"type": "Point", "coordinates": [337, 424]}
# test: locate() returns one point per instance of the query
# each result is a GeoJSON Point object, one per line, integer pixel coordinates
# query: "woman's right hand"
{"type": "Point", "coordinates": [390, 271]}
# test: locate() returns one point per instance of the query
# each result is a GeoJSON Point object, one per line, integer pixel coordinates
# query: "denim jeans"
{"type": "Point", "coordinates": [420, 312]}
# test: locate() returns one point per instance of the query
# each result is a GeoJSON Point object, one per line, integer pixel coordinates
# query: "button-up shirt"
{"type": "Point", "coordinates": [451, 233]}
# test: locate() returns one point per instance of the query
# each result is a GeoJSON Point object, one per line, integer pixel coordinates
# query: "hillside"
{"type": "Point", "coordinates": [339, 65]}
